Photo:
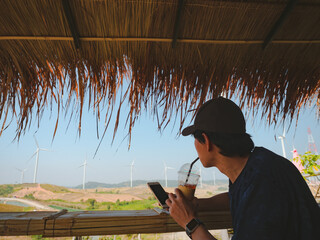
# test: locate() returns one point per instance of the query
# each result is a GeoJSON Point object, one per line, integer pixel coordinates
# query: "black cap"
{"type": "Point", "coordinates": [218, 115]}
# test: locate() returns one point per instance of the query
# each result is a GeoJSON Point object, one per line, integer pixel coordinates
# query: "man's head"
{"type": "Point", "coordinates": [222, 121]}
{"type": "Point", "coordinates": [218, 115]}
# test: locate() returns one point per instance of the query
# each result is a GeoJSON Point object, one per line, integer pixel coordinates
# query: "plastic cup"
{"type": "Point", "coordinates": [188, 187]}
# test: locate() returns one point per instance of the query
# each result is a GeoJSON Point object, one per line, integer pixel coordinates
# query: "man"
{"type": "Point", "coordinates": [268, 198]}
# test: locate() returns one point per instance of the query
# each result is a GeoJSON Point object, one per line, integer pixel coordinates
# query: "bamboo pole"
{"type": "Point", "coordinates": [166, 40]}
{"type": "Point", "coordinates": [86, 223]}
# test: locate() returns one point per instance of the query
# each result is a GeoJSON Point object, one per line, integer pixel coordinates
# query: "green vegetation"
{"type": "Point", "coordinates": [310, 162]}
{"type": "Point", "coordinates": [60, 208]}
{"type": "Point", "coordinates": [63, 204]}
{"type": "Point", "coordinates": [29, 196]}
{"type": "Point", "coordinates": [55, 189]}
{"type": "Point", "coordinates": [39, 237]}
{"type": "Point", "coordinates": [13, 208]}
{"type": "Point", "coordinates": [127, 205]}
{"type": "Point", "coordinates": [109, 192]}
{"type": "Point", "coordinates": [91, 204]}
{"type": "Point", "coordinates": [5, 190]}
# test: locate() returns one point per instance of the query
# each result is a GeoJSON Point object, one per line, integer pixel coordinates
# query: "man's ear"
{"type": "Point", "coordinates": [207, 142]}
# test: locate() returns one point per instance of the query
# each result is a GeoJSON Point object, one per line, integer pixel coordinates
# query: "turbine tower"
{"type": "Point", "coordinates": [131, 172]}
{"type": "Point", "coordinates": [22, 174]}
{"type": "Point", "coordinates": [282, 138]}
{"type": "Point", "coordinates": [214, 177]}
{"type": "Point", "coordinates": [165, 172]}
{"type": "Point", "coordinates": [37, 159]}
{"type": "Point", "coordinates": [311, 144]}
{"type": "Point", "coordinates": [84, 165]}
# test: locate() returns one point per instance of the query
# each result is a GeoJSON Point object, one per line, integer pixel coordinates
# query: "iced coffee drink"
{"type": "Point", "coordinates": [188, 190]}
{"type": "Point", "coordinates": [188, 180]}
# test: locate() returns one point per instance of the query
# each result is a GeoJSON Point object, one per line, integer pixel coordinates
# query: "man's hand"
{"type": "Point", "coordinates": [181, 210]}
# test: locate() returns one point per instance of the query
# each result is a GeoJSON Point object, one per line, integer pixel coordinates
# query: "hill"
{"type": "Point", "coordinates": [98, 198]}
{"type": "Point", "coordinates": [135, 183]}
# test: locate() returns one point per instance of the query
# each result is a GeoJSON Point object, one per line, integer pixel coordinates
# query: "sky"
{"type": "Point", "coordinates": [149, 150]}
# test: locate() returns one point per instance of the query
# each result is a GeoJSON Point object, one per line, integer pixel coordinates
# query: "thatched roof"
{"type": "Point", "coordinates": [175, 54]}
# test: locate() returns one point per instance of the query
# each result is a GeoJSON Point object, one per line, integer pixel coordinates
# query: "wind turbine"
{"type": "Point", "coordinates": [37, 158]}
{"type": "Point", "coordinates": [22, 173]}
{"type": "Point", "coordinates": [131, 172]}
{"type": "Point", "coordinates": [165, 172]}
{"type": "Point", "coordinates": [84, 165]}
{"type": "Point", "coordinates": [282, 138]}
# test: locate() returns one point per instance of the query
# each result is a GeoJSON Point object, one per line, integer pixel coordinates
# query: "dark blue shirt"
{"type": "Point", "coordinates": [270, 200]}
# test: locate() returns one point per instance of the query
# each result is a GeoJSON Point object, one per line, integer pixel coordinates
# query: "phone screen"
{"type": "Point", "coordinates": [159, 192]}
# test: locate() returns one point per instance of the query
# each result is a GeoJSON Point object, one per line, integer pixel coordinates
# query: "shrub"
{"type": "Point", "coordinates": [92, 202]}
{"type": "Point", "coordinates": [310, 162]}
{"type": "Point", "coordinates": [29, 196]}
{"type": "Point", "coordinates": [5, 190]}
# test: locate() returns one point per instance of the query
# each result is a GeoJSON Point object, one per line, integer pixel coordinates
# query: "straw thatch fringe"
{"type": "Point", "coordinates": [219, 50]}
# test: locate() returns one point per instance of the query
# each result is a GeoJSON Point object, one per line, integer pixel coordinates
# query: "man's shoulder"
{"type": "Point", "coordinates": [265, 158]}
{"type": "Point", "coordinates": [261, 151]}
{"type": "Point", "coordinates": [269, 168]}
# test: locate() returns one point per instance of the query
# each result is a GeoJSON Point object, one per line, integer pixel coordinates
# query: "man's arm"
{"type": "Point", "coordinates": [215, 203]}
{"type": "Point", "coordinates": [183, 211]}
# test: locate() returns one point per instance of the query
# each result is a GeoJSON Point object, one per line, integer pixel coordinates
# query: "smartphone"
{"type": "Point", "coordinates": [159, 193]}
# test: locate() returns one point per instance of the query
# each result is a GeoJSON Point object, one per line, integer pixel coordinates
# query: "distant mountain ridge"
{"type": "Point", "coordinates": [171, 183]}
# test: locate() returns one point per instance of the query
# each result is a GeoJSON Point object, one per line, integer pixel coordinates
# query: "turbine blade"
{"type": "Point", "coordinates": [164, 163]}
{"type": "Point", "coordinates": [33, 155]}
{"type": "Point", "coordinates": [44, 149]}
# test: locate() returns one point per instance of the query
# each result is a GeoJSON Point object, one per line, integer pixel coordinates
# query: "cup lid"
{"type": "Point", "coordinates": [185, 169]}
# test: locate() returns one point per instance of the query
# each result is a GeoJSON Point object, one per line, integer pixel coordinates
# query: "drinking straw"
{"type": "Point", "coordinates": [194, 161]}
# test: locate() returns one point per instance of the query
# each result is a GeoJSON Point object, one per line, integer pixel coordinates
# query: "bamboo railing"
{"type": "Point", "coordinates": [86, 223]}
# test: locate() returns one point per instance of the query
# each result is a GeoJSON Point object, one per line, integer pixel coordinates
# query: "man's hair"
{"type": "Point", "coordinates": [231, 145]}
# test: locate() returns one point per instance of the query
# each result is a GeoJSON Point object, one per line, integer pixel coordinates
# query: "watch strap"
{"type": "Point", "coordinates": [192, 226]}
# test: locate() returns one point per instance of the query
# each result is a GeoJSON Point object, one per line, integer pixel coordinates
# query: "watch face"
{"type": "Point", "coordinates": [192, 224]}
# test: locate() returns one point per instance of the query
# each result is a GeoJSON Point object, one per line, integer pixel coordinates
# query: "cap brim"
{"type": "Point", "coordinates": [188, 130]}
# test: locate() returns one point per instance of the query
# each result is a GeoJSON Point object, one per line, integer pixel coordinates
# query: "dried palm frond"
{"type": "Point", "coordinates": [219, 50]}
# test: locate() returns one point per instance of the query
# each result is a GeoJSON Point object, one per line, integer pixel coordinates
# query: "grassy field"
{"type": "Point", "coordinates": [126, 198]}
{"type": "Point", "coordinates": [12, 208]}
{"type": "Point", "coordinates": [93, 205]}
{"type": "Point", "coordinates": [55, 189]}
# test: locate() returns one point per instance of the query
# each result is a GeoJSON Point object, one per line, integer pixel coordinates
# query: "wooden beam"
{"type": "Point", "coordinates": [86, 223]}
{"type": "Point", "coordinates": [177, 23]}
{"type": "Point", "coordinates": [164, 40]}
{"type": "Point", "coordinates": [279, 22]}
{"type": "Point", "coordinates": [71, 23]}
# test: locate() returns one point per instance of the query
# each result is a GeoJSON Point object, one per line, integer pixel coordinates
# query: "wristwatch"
{"type": "Point", "coordinates": [192, 226]}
